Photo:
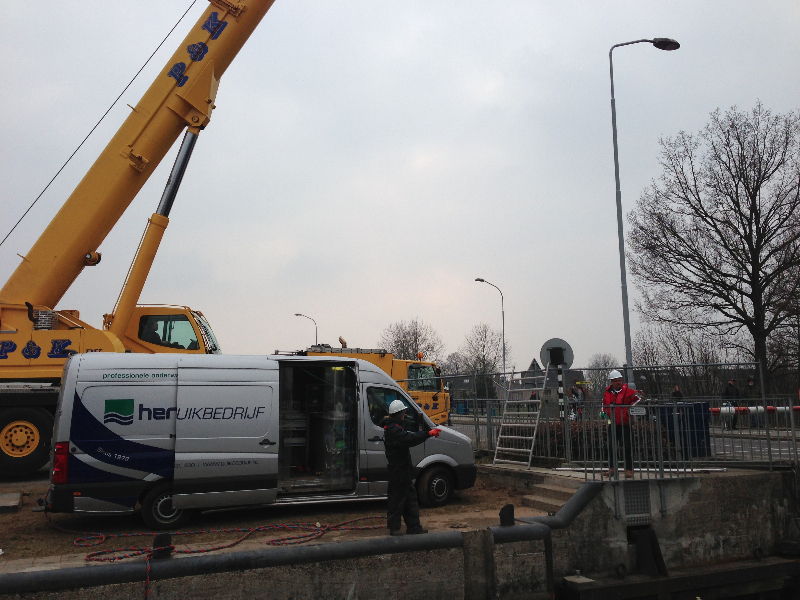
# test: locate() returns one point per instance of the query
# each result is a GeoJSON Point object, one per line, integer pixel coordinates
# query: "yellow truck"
{"type": "Point", "coordinates": [421, 379]}
{"type": "Point", "coordinates": [36, 338]}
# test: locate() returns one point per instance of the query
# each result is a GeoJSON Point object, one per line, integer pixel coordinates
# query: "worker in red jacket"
{"type": "Point", "coordinates": [616, 402]}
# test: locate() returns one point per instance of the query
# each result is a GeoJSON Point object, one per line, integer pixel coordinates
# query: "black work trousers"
{"type": "Point", "coordinates": [402, 498]}
{"type": "Point", "coordinates": [622, 435]}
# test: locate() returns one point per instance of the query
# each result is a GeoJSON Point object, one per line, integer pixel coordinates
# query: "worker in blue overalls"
{"type": "Point", "coordinates": [402, 493]}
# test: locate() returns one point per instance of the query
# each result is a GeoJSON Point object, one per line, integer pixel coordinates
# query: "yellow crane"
{"type": "Point", "coordinates": [36, 338]}
{"type": "Point", "coordinates": [420, 378]}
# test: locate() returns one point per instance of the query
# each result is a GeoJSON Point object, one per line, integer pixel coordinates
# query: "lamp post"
{"type": "Point", "coordinates": [661, 44]}
{"type": "Point", "coordinates": [316, 339]}
{"type": "Point", "coordinates": [503, 312]}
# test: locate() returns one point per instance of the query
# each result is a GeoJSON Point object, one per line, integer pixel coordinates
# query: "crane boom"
{"type": "Point", "coordinates": [36, 339]}
{"type": "Point", "coordinates": [181, 96]}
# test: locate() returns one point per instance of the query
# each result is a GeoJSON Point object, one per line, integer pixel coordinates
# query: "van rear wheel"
{"type": "Point", "coordinates": [435, 487]}
{"type": "Point", "coordinates": [158, 512]}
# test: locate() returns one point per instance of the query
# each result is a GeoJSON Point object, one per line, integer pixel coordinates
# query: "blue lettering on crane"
{"type": "Point", "coordinates": [197, 51]}
{"type": "Point", "coordinates": [177, 72]}
{"type": "Point", "coordinates": [31, 350]}
{"type": "Point", "coordinates": [59, 349]}
{"type": "Point", "coordinates": [6, 346]}
{"type": "Point", "coordinates": [214, 26]}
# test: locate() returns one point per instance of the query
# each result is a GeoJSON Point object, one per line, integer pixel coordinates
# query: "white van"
{"type": "Point", "coordinates": [175, 434]}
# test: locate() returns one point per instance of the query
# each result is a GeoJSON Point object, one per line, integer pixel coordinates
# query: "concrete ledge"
{"type": "Point", "coordinates": [218, 563]}
{"type": "Point", "coordinates": [714, 581]}
{"type": "Point", "coordinates": [10, 502]}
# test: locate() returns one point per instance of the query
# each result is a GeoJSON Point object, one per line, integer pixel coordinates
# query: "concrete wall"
{"type": "Point", "coordinates": [712, 518]}
{"type": "Point", "coordinates": [434, 575]}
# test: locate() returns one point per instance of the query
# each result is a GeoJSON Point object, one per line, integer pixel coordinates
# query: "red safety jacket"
{"type": "Point", "coordinates": [625, 397]}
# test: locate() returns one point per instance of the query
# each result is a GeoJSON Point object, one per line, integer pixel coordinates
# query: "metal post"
{"type": "Point", "coordinates": [503, 314]}
{"type": "Point", "coordinates": [613, 459]}
{"type": "Point", "coordinates": [676, 434]}
{"type": "Point", "coordinates": [565, 424]}
{"type": "Point", "coordinates": [794, 434]}
{"type": "Point", "coordinates": [626, 321]}
{"type": "Point", "coordinates": [475, 411]}
{"type": "Point", "coordinates": [489, 426]}
{"type": "Point", "coordinates": [546, 406]}
{"type": "Point", "coordinates": [316, 336]}
{"type": "Point", "coordinates": [766, 414]}
{"type": "Point", "coordinates": [661, 44]}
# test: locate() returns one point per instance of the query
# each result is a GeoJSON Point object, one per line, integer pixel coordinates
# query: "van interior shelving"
{"type": "Point", "coordinates": [318, 416]}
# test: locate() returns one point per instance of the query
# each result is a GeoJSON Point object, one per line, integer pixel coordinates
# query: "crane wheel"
{"type": "Point", "coordinates": [25, 435]}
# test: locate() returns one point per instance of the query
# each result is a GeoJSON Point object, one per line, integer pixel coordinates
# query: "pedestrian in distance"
{"type": "Point", "coordinates": [731, 395]}
{"type": "Point", "coordinates": [403, 502]}
{"type": "Point", "coordinates": [617, 400]}
{"type": "Point", "coordinates": [752, 397]}
{"type": "Point", "coordinates": [677, 394]}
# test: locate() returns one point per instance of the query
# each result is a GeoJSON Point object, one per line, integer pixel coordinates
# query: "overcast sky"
{"type": "Point", "coordinates": [368, 160]}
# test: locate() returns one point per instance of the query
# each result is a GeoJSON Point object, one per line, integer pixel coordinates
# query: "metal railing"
{"type": "Point", "coordinates": [656, 438]}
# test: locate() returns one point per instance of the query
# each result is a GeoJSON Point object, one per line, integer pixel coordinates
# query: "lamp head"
{"type": "Point", "coordinates": [479, 279]}
{"type": "Point", "coordinates": [297, 315]}
{"type": "Point", "coordinates": [665, 44]}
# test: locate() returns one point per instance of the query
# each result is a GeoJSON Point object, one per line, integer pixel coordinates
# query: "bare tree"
{"type": "Point", "coordinates": [482, 353]}
{"type": "Point", "coordinates": [715, 242]}
{"type": "Point", "coordinates": [694, 359]}
{"type": "Point", "coordinates": [600, 366]}
{"type": "Point", "coordinates": [454, 364]}
{"type": "Point", "coordinates": [406, 339]}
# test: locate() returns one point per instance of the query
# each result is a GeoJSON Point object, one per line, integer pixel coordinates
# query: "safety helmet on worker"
{"type": "Point", "coordinates": [396, 406]}
{"type": "Point", "coordinates": [614, 375]}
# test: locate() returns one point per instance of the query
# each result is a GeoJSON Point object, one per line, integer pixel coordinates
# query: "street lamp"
{"type": "Point", "coordinates": [661, 44]}
{"type": "Point", "coordinates": [316, 339]}
{"type": "Point", "coordinates": [503, 311]}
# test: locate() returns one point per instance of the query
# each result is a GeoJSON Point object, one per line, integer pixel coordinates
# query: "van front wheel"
{"type": "Point", "coordinates": [435, 487]}
{"type": "Point", "coordinates": [158, 512]}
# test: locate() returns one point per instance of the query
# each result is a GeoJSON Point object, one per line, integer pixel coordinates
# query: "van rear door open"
{"type": "Point", "coordinates": [226, 451]}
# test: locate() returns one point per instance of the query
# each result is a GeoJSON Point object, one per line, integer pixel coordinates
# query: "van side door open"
{"type": "Point", "coordinates": [226, 451]}
{"type": "Point", "coordinates": [318, 427]}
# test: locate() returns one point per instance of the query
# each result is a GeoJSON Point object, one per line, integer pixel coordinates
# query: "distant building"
{"type": "Point", "coordinates": [532, 378]}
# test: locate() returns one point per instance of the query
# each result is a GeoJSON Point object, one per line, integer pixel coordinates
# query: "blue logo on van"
{"type": "Point", "coordinates": [119, 411]}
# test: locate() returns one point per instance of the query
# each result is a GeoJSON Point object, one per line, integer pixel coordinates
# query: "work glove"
{"type": "Point", "coordinates": [434, 432]}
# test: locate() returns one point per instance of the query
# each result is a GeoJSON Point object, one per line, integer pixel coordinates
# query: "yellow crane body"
{"type": "Point", "coordinates": [420, 378]}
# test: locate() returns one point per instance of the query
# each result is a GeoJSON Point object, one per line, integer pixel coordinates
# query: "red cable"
{"type": "Point", "coordinates": [93, 538]}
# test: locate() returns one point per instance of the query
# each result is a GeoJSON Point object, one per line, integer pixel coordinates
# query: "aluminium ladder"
{"type": "Point", "coordinates": [519, 426]}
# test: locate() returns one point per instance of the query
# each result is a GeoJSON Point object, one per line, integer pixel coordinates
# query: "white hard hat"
{"type": "Point", "coordinates": [396, 406]}
{"type": "Point", "coordinates": [615, 375]}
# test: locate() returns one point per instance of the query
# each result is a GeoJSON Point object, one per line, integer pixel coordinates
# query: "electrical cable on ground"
{"type": "Point", "coordinates": [97, 124]}
{"type": "Point", "coordinates": [93, 538]}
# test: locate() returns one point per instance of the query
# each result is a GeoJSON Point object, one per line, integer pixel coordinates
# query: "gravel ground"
{"type": "Point", "coordinates": [25, 534]}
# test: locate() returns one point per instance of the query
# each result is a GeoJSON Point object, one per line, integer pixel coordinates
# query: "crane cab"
{"type": "Point", "coordinates": [155, 329]}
